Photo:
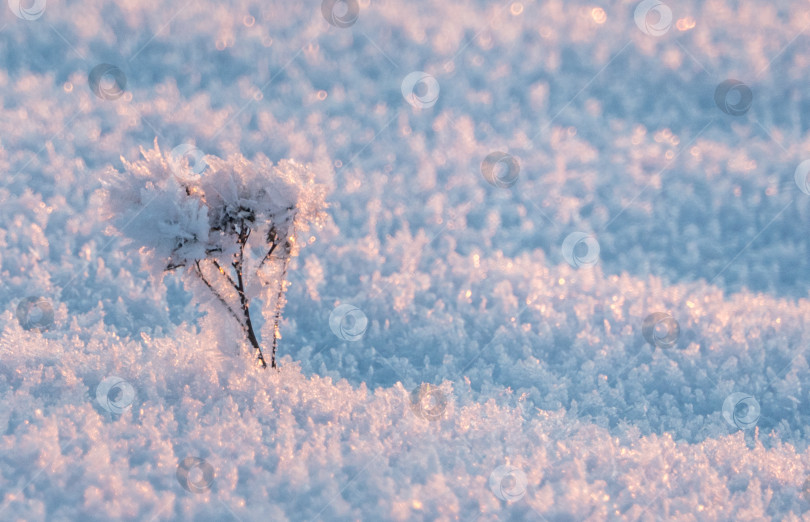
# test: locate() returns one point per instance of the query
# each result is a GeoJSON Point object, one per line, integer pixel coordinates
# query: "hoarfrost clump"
{"type": "Point", "coordinates": [231, 228]}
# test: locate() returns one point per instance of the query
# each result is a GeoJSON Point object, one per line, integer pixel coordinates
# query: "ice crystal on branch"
{"type": "Point", "coordinates": [231, 228]}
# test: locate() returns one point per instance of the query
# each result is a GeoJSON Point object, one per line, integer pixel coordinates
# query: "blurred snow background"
{"type": "Point", "coordinates": [546, 392]}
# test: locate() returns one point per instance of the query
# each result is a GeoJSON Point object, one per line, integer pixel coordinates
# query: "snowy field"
{"type": "Point", "coordinates": [563, 274]}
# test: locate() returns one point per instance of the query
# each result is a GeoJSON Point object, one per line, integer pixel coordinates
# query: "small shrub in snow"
{"type": "Point", "coordinates": [231, 228]}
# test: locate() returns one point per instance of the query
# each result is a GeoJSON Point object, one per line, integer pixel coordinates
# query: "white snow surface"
{"type": "Point", "coordinates": [476, 375]}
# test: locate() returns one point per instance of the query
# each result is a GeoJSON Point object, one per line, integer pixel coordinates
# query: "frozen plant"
{"type": "Point", "coordinates": [230, 227]}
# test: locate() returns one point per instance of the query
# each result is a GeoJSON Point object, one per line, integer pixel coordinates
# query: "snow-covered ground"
{"type": "Point", "coordinates": [516, 190]}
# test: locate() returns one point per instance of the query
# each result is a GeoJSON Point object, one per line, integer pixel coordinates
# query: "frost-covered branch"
{"type": "Point", "coordinates": [216, 294]}
{"type": "Point", "coordinates": [229, 215]}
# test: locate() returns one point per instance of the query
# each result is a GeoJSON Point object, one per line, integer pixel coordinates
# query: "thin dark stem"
{"type": "Point", "coordinates": [277, 317]}
{"type": "Point", "coordinates": [223, 272]}
{"type": "Point", "coordinates": [216, 294]}
{"type": "Point", "coordinates": [240, 288]}
{"type": "Point", "coordinates": [276, 240]}
{"type": "Point", "coordinates": [269, 252]}
{"type": "Point", "coordinates": [280, 296]}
